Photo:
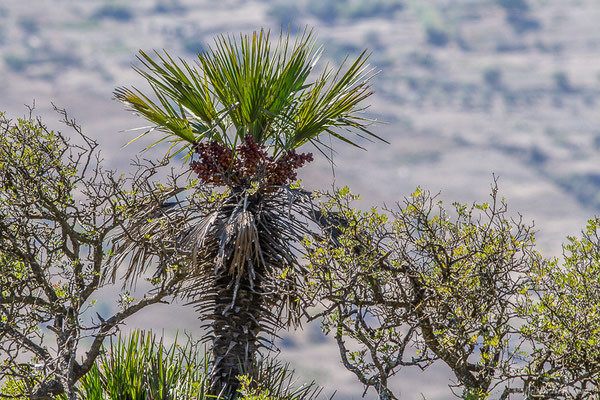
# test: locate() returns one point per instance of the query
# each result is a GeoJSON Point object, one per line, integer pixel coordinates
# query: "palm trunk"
{"type": "Point", "coordinates": [235, 329]}
{"type": "Point", "coordinates": [243, 282]}
{"type": "Point", "coordinates": [238, 299]}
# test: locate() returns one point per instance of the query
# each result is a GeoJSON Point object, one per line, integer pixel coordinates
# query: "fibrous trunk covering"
{"type": "Point", "coordinates": [245, 276]}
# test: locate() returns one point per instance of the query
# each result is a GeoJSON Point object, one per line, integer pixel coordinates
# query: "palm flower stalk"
{"type": "Point", "coordinates": [239, 114]}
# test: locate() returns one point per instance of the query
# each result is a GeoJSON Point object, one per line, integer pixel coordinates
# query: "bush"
{"type": "Point", "coordinates": [144, 368]}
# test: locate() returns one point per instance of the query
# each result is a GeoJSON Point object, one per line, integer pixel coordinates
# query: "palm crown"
{"type": "Point", "coordinates": [245, 88]}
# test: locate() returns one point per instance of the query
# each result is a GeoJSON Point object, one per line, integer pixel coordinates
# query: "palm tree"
{"type": "Point", "coordinates": [239, 113]}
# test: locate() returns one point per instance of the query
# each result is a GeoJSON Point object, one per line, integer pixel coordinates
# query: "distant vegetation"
{"type": "Point", "coordinates": [331, 11]}
{"type": "Point", "coordinates": [492, 76]}
{"type": "Point", "coordinates": [169, 7]}
{"type": "Point", "coordinates": [517, 15]}
{"type": "Point", "coordinates": [562, 82]}
{"type": "Point", "coordinates": [513, 5]}
{"type": "Point", "coordinates": [115, 12]}
{"type": "Point", "coordinates": [436, 31]}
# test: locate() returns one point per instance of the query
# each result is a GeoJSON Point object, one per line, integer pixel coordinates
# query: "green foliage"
{"type": "Point", "coordinates": [58, 208]}
{"type": "Point", "coordinates": [448, 284]}
{"type": "Point", "coordinates": [248, 93]}
{"type": "Point", "coordinates": [464, 287]}
{"type": "Point", "coordinates": [248, 86]}
{"type": "Point", "coordinates": [565, 323]}
{"type": "Point", "coordinates": [275, 382]}
{"type": "Point", "coordinates": [21, 141]}
{"type": "Point", "coordinates": [142, 367]}
{"type": "Point", "coordinates": [475, 395]}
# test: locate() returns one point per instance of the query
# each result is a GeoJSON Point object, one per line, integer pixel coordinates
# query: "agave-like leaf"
{"type": "Point", "coordinates": [248, 85]}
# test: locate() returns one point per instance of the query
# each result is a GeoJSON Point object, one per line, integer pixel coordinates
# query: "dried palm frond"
{"type": "Point", "coordinates": [249, 239]}
{"type": "Point", "coordinates": [239, 259]}
{"type": "Point", "coordinates": [149, 235]}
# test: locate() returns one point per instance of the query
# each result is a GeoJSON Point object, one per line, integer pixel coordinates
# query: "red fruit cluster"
{"type": "Point", "coordinates": [252, 158]}
{"type": "Point", "coordinates": [284, 170]}
{"type": "Point", "coordinates": [219, 165]}
{"type": "Point", "coordinates": [213, 164]}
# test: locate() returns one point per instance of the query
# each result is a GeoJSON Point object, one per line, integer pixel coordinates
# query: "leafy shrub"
{"type": "Point", "coordinates": [141, 367]}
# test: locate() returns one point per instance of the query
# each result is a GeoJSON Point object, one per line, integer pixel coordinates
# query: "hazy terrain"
{"type": "Point", "coordinates": [466, 89]}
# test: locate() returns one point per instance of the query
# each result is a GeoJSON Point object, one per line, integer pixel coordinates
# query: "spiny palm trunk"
{"type": "Point", "coordinates": [235, 330]}
{"type": "Point", "coordinates": [243, 279]}
{"type": "Point", "coordinates": [238, 299]}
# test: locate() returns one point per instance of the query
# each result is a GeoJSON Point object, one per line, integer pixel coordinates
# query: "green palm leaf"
{"type": "Point", "coordinates": [249, 86]}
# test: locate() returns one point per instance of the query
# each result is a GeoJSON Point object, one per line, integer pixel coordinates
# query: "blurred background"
{"type": "Point", "coordinates": [466, 89]}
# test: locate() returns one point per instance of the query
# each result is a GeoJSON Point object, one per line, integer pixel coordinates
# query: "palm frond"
{"type": "Point", "coordinates": [249, 85]}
